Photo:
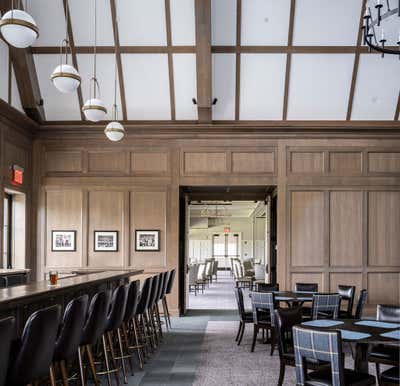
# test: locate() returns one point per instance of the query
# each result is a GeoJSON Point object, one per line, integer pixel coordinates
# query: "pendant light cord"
{"type": "Point", "coordinates": [95, 50]}
{"type": "Point", "coordinates": [115, 79]}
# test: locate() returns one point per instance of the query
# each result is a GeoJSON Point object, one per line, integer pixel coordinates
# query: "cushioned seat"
{"type": "Point", "coordinates": [391, 375]}
{"type": "Point", "coordinates": [323, 376]}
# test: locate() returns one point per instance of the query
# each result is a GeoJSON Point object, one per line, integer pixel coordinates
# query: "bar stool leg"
{"type": "Point", "coordinates": [166, 307]}
{"type": "Point", "coordinates": [64, 374]}
{"type": "Point", "coordinates": [81, 375]}
{"type": "Point", "coordinates": [121, 350]}
{"type": "Point", "coordinates": [110, 342]}
{"type": "Point", "coordinates": [136, 340]}
{"type": "Point", "coordinates": [165, 312]}
{"type": "Point", "coordinates": [92, 365]}
{"type": "Point", "coordinates": [125, 335]}
{"type": "Point", "coordinates": [103, 339]}
{"type": "Point", "coordinates": [52, 376]}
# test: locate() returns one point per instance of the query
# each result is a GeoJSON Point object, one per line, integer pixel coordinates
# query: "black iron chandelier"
{"type": "Point", "coordinates": [373, 31]}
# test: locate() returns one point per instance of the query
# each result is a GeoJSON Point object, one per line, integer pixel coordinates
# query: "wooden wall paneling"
{"type": "Point", "coordinates": [308, 277]}
{"type": "Point", "coordinates": [150, 162]}
{"type": "Point", "coordinates": [63, 212]}
{"type": "Point", "coordinates": [384, 288]}
{"type": "Point", "coordinates": [346, 233]}
{"type": "Point", "coordinates": [383, 228]}
{"type": "Point", "coordinates": [148, 212]}
{"type": "Point", "coordinates": [64, 161]}
{"type": "Point", "coordinates": [307, 228]}
{"type": "Point", "coordinates": [345, 163]}
{"type": "Point", "coordinates": [106, 212]}
{"type": "Point", "coordinates": [253, 162]}
{"type": "Point", "coordinates": [204, 162]}
{"type": "Point", "coordinates": [380, 162]}
{"type": "Point", "coordinates": [306, 162]}
{"type": "Point", "coordinates": [107, 162]}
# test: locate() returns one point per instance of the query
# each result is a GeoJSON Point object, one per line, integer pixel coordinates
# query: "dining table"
{"type": "Point", "coordinates": [361, 332]}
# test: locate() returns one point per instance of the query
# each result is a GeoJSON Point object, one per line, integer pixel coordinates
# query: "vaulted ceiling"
{"type": "Point", "coordinates": [263, 60]}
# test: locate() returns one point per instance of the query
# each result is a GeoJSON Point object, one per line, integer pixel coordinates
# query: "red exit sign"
{"type": "Point", "coordinates": [17, 175]}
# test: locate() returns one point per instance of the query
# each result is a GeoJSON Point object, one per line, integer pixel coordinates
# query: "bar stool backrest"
{"type": "Point", "coordinates": [133, 300]}
{"type": "Point", "coordinates": [7, 333]}
{"type": "Point", "coordinates": [36, 347]}
{"type": "Point", "coordinates": [167, 276]}
{"type": "Point", "coordinates": [160, 286]}
{"type": "Point", "coordinates": [171, 281]}
{"type": "Point", "coordinates": [154, 290]}
{"type": "Point", "coordinates": [116, 314]}
{"type": "Point", "coordinates": [70, 332]}
{"type": "Point", "coordinates": [145, 296]}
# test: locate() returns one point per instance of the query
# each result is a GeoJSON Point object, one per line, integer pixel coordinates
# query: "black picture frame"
{"type": "Point", "coordinates": [155, 232]}
{"type": "Point", "coordinates": [54, 248]}
{"type": "Point", "coordinates": [96, 247]}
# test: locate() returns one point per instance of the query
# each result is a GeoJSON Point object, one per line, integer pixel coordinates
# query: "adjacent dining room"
{"type": "Point", "coordinates": [199, 192]}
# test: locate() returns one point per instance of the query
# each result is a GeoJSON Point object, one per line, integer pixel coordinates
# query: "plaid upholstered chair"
{"type": "Point", "coordinates": [325, 306]}
{"type": "Point", "coordinates": [263, 304]}
{"type": "Point", "coordinates": [324, 346]}
{"type": "Point", "coordinates": [245, 316]}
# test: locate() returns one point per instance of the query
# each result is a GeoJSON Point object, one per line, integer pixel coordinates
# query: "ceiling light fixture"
{"type": "Point", "coordinates": [373, 32]}
{"type": "Point", "coordinates": [94, 108]}
{"type": "Point", "coordinates": [18, 27]}
{"type": "Point", "coordinates": [65, 77]}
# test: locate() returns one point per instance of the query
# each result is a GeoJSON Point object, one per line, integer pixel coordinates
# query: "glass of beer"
{"type": "Point", "coordinates": [53, 277]}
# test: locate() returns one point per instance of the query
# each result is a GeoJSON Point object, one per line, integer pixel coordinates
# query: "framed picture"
{"type": "Point", "coordinates": [147, 241]}
{"type": "Point", "coordinates": [105, 241]}
{"type": "Point", "coordinates": [63, 241]}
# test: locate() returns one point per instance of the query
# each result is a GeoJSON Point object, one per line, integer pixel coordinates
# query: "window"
{"type": "Point", "coordinates": [7, 231]}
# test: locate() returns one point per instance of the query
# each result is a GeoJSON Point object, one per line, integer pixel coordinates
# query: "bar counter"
{"type": "Point", "coordinates": [20, 301]}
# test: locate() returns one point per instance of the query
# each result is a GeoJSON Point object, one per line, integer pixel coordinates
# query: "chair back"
{"type": "Point", "coordinates": [7, 333]}
{"type": "Point", "coordinates": [132, 300]}
{"type": "Point", "coordinates": [170, 281]}
{"type": "Point", "coordinates": [362, 300]}
{"type": "Point", "coordinates": [285, 319]}
{"type": "Point", "coordinates": [240, 302]}
{"type": "Point", "coordinates": [263, 301]}
{"type": "Point", "coordinates": [160, 286]}
{"type": "Point", "coordinates": [208, 268]}
{"type": "Point", "coordinates": [35, 350]}
{"type": "Point", "coordinates": [327, 303]}
{"type": "Point", "coordinates": [347, 293]}
{"type": "Point", "coordinates": [154, 290]}
{"type": "Point", "coordinates": [215, 267]}
{"type": "Point", "coordinates": [96, 318]}
{"type": "Point", "coordinates": [318, 345]}
{"type": "Point", "coordinates": [306, 287]}
{"type": "Point", "coordinates": [193, 273]}
{"type": "Point", "coordinates": [201, 272]}
{"type": "Point", "coordinates": [265, 287]}
{"type": "Point", "coordinates": [116, 314]}
{"type": "Point", "coordinates": [388, 313]}
{"type": "Point", "coordinates": [167, 276]}
{"type": "Point", "coordinates": [145, 296]}
{"type": "Point", "coordinates": [237, 269]}
{"type": "Point", "coordinates": [70, 332]}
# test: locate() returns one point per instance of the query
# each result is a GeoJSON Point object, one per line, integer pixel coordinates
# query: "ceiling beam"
{"type": "Point", "coordinates": [238, 43]}
{"type": "Point", "coordinates": [122, 50]}
{"type": "Point", "coordinates": [73, 54]}
{"type": "Point", "coordinates": [26, 77]}
{"type": "Point", "coordinates": [288, 60]}
{"type": "Point", "coordinates": [203, 60]}
{"type": "Point", "coordinates": [356, 62]}
{"type": "Point", "coordinates": [397, 113]}
{"type": "Point", "coordinates": [170, 59]}
{"type": "Point", "coordinates": [117, 51]}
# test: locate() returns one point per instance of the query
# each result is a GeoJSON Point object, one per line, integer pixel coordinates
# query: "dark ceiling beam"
{"type": "Point", "coordinates": [288, 60]}
{"type": "Point", "coordinates": [122, 50]}
{"type": "Point", "coordinates": [117, 51]}
{"type": "Point", "coordinates": [26, 77]}
{"type": "Point", "coordinates": [73, 54]}
{"type": "Point", "coordinates": [203, 60]}
{"type": "Point", "coordinates": [170, 59]}
{"type": "Point", "coordinates": [356, 63]}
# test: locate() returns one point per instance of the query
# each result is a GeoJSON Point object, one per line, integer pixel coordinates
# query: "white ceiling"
{"type": "Point", "coordinates": [229, 209]}
{"type": "Point", "coordinates": [319, 86]}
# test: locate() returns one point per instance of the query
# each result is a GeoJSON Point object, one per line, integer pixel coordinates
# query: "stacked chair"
{"type": "Point", "coordinates": [92, 339]}
{"type": "Point", "coordinates": [201, 275]}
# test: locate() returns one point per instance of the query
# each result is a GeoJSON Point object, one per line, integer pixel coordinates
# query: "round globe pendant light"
{"type": "Point", "coordinates": [114, 131]}
{"type": "Point", "coordinates": [18, 28]}
{"type": "Point", "coordinates": [94, 108]}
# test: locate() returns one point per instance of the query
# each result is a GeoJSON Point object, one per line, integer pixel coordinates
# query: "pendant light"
{"type": "Point", "coordinates": [18, 28]}
{"type": "Point", "coordinates": [65, 77]}
{"type": "Point", "coordinates": [94, 108]}
{"type": "Point", "coordinates": [114, 130]}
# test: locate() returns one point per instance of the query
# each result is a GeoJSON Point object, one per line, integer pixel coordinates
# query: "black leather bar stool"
{"type": "Point", "coordinates": [93, 330]}
{"type": "Point", "coordinates": [158, 298]}
{"type": "Point", "coordinates": [33, 353]}
{"type": "Point", "coordinates": [142, 313]}
{"type": "Point", "coordinates": [164, 293]}
{"type": "Point", "coordinates": [113, 325]}
{"type": "Point", "coordinates": [7, 331]}
{"type": "Point", "coordinates": [169, 290]}
{"type": "Point", "coordinates": [150, 309]}
{"type": "Point", "coordinates": [69, 335]}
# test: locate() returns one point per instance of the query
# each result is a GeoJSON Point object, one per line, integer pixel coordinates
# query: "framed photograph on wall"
{"type": "Point", "coordinates": [147, 240]}
{"type": "Point", "coordinates": [106, 241]}
{"type": "Point", "coordinates": [63, 241]}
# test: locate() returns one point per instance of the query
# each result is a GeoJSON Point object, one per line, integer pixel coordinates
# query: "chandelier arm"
{"type": "Point", "coordinates": [377, 47]}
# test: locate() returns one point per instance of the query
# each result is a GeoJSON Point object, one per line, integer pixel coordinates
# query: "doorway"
{"type": "Point", "coordinates": [220, 225]}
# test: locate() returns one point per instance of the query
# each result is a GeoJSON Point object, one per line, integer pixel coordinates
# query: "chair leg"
{"type": "Point", "coordinates": [255, 333]}
{"type": "Point", "coordinates": [103, 339]}
{"type": "Point", "coordinates": [52, 376]}
{"type": "Point", "coordinates": [64, 374]}
{"type": "Point", "coordinates": [272, 341]}
{"type": "Point", "coordinates": [80, 363]}
{"type": "Point", "coordinates": [239, 330]}
{"type": "Point", "coordinates": [281, 373]}
{"type": "Point", "coordinates": [110, 342]}
{"type": "Point", "coordinates": [92, 365]}
{"type": "Point", "coordinates": [241, 334]}
{"type": "Point", "coordinates": [121, 351]}
{"type": "Point", "coordinates": [378, 373]}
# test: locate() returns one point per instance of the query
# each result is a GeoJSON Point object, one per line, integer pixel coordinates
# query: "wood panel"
{"type": "Point", "coordinates": [306, 162]}
{"type": "Point", "coordinates": [106, 212]}
{"type": "Point", "coordinates": [150, 162]}
{"type": "Point", "coordinates": [346, 228]}
{"type": "Point", "coordinates": [382, 162]}
{"type": "Point", "coordinates": [307, 228]}
{"type": "Point", "coordinates": [253, 162]}
{"type": "Point", "coordinates": [345, 163]}
{"type": "Point", "coordinates": [205, 162]}
{"type": "Point", "coordinates": [64, 212]}
{"type": "Point", "coordinates": [308, 277]}
{"type": "Point", "coordinates": [107, 161]}
{"type": "Point", "coordinates": [383, 228]}
{"type": "Point", "coordinates": [384, 288]}
{"type": "Point", "coordinates": [63, 161]}
{"type": "Point", "coordinates": [148, 212]}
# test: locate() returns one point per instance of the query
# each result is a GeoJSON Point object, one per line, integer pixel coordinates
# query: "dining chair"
{"type": "Point", "coordinates": [263, 305]}
{"type": "Point", "coordinates": [7, 332]}
{"type": "Point", "coordinates": [245, 316]}
{"type": "Point", "coordinates": [362, 300]}
{"type": "Point", "coordinates": [391, 376]}
{"type": "Point", "coordinates": [306, 287]}
{"type": "Point", "coordinates": [325, 346]}
{"type": "Point", "coordinates": [325, 306]}
{"type": "Point", "coordinates": [346, 293]}
{"type": "Point", "coordinates": [265, 287]}
{"type": "Point", "coordinates": [385, 354]}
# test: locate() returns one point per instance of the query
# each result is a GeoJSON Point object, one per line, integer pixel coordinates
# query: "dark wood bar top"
{"type": "Point", "coordinates": [40, 288]}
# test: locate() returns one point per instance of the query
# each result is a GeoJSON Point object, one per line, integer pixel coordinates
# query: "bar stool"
{"type": "Point", "coordinates": [69, 335]}
{"type": "Point", "coordinates": [164, 293]}
{"type": "Point", "coordinates": [150, 309]}
{"type": "Point", "coordinates": [169, 290]}
{"type": "Point", "coordinates": [93, 330]}
{"type": "Point", "coordinates": [158, 298]}
{"type": "Point", "coordinates": [35, 349]}
{"type": "Point", "coordinates": [7, 331]}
